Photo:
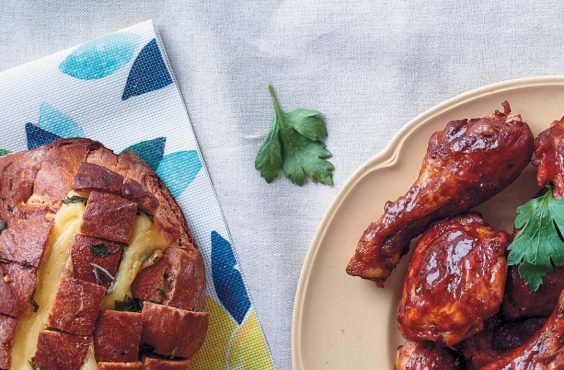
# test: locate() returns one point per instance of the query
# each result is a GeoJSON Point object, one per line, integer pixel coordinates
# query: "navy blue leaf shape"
{"type": "Point", "coordinates": [148, 73]}
{"type": "Point", "coordinates": [227, 279]}
{"type": "Point", "coordinates": [36, 136]}
{"type": "Point", "coordinates": [150, 150]}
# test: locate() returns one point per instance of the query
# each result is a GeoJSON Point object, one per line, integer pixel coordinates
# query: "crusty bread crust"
{"type": "Point", "coordinates": [48, 173]}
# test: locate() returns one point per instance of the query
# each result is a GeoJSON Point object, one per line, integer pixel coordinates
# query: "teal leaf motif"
{"type": "Point", "coordinates": [101, 57]}
{"type": "Point", "coordinates": [4, 152]}
{"type": "Point", "coordinates": [150, 150]}
{"type": "Point", "coordinates": [148, 73]}
{"type": "Point", "coordinates": [57, 122]}
{"type": "Point", "coordinates": [179, 169]}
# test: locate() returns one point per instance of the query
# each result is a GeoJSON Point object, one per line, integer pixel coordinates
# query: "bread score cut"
{"type": "Point", "coordinates": [99, 268]}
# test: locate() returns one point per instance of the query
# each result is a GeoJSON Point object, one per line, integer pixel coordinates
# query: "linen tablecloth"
{"type": "Point", "coordinates": [368, 66]}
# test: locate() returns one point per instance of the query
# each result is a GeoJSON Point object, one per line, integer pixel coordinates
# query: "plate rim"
{"type": "Point", "coordinates": [387, 157]}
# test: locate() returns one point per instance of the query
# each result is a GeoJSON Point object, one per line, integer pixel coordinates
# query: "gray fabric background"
{"type": "Point", "coordinates": [369, 66]}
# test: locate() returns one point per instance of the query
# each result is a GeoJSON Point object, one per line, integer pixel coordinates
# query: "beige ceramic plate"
{"type": "Point", "coordinates": [341, 322]}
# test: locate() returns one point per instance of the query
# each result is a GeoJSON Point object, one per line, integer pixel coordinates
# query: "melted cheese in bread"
{"type": "Point", "coordinates": [145, 239]}
{"type": "Point", "coordinates": [90, 363]}
{"type": "Point", "coordinates": [30, 324]}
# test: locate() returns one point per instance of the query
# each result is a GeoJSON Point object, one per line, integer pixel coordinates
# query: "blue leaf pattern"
{"type": "Point", "coordinates": [179, 169]}
{"type": "Point", "coordinates": [227, 279]}
{"type": "Point", "coordinates": [101, 57]}
{"type": "Point", "coordinates": [148, 73]}
{"type": "Point", "coordinates": [150, 150]}
{"type": "Point", "coordinates": [36, 136]}
{"type": "Point", "coordinates": [58, 123]}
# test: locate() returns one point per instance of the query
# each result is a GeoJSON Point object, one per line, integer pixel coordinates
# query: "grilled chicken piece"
{"type": "Point", "coordinates": [478, 349]}
{"type": "Point", "coordinates": [497, 338]}
{"type": "Point", "coordinates": [544, 350]}
{"type": "Point", "coordinates": [520, 301]}
{"type": "Point", "coordinates": [454, 281]}
{"type": "Point", "coordinates": [416, 356]}
{"type": "Point", "coordinates": [509, 335]}
{"type": "Point", "coordinates": [549, 157]}
{"type": "Point", "coordinates": [466, 164]}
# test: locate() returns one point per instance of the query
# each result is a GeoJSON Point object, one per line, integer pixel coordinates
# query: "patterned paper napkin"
{"type": "Point", "coordinates": [119, 89]}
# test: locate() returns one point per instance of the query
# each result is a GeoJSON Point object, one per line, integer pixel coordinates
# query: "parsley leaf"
{"type": "Point", "coordinates": [162, 293]}
{"type": "Point", "coordinates": [34, 304]}
{"type": "Point", "coordinates": [269, 157]}
{"type": "Point", "coordinates": [538, 245]}
{"type": "Point", "coordinates": [129, 304]}
{"type": "Point", "coordinates": [100, 250]}
{"type": "Point", "coordinates": [293, 145]}
{"type": "Point", "coordinates": [75, 199]}
{"type": "Point", "coordinates": [146, 348]}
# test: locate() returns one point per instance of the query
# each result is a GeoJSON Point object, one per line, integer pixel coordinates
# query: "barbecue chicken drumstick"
{"type": "Point", "coordinates": [520, 301]}
{"type": "Point", "coordinates": [497, 338]}
{"type": "Point", "coordinates": [549, 157]}
{"type": "Point", "coordinates": [544, 350]}
{"type": "Point", "coordinates": [455, 280]}
{"type": "Point", "coordinates": [417, 356]}
{"type": "Point", "coordinates": [466, 163]}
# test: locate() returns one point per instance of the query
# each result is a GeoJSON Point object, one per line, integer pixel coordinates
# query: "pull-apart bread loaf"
{"type": "Point", "coordinates": [98, 267]}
